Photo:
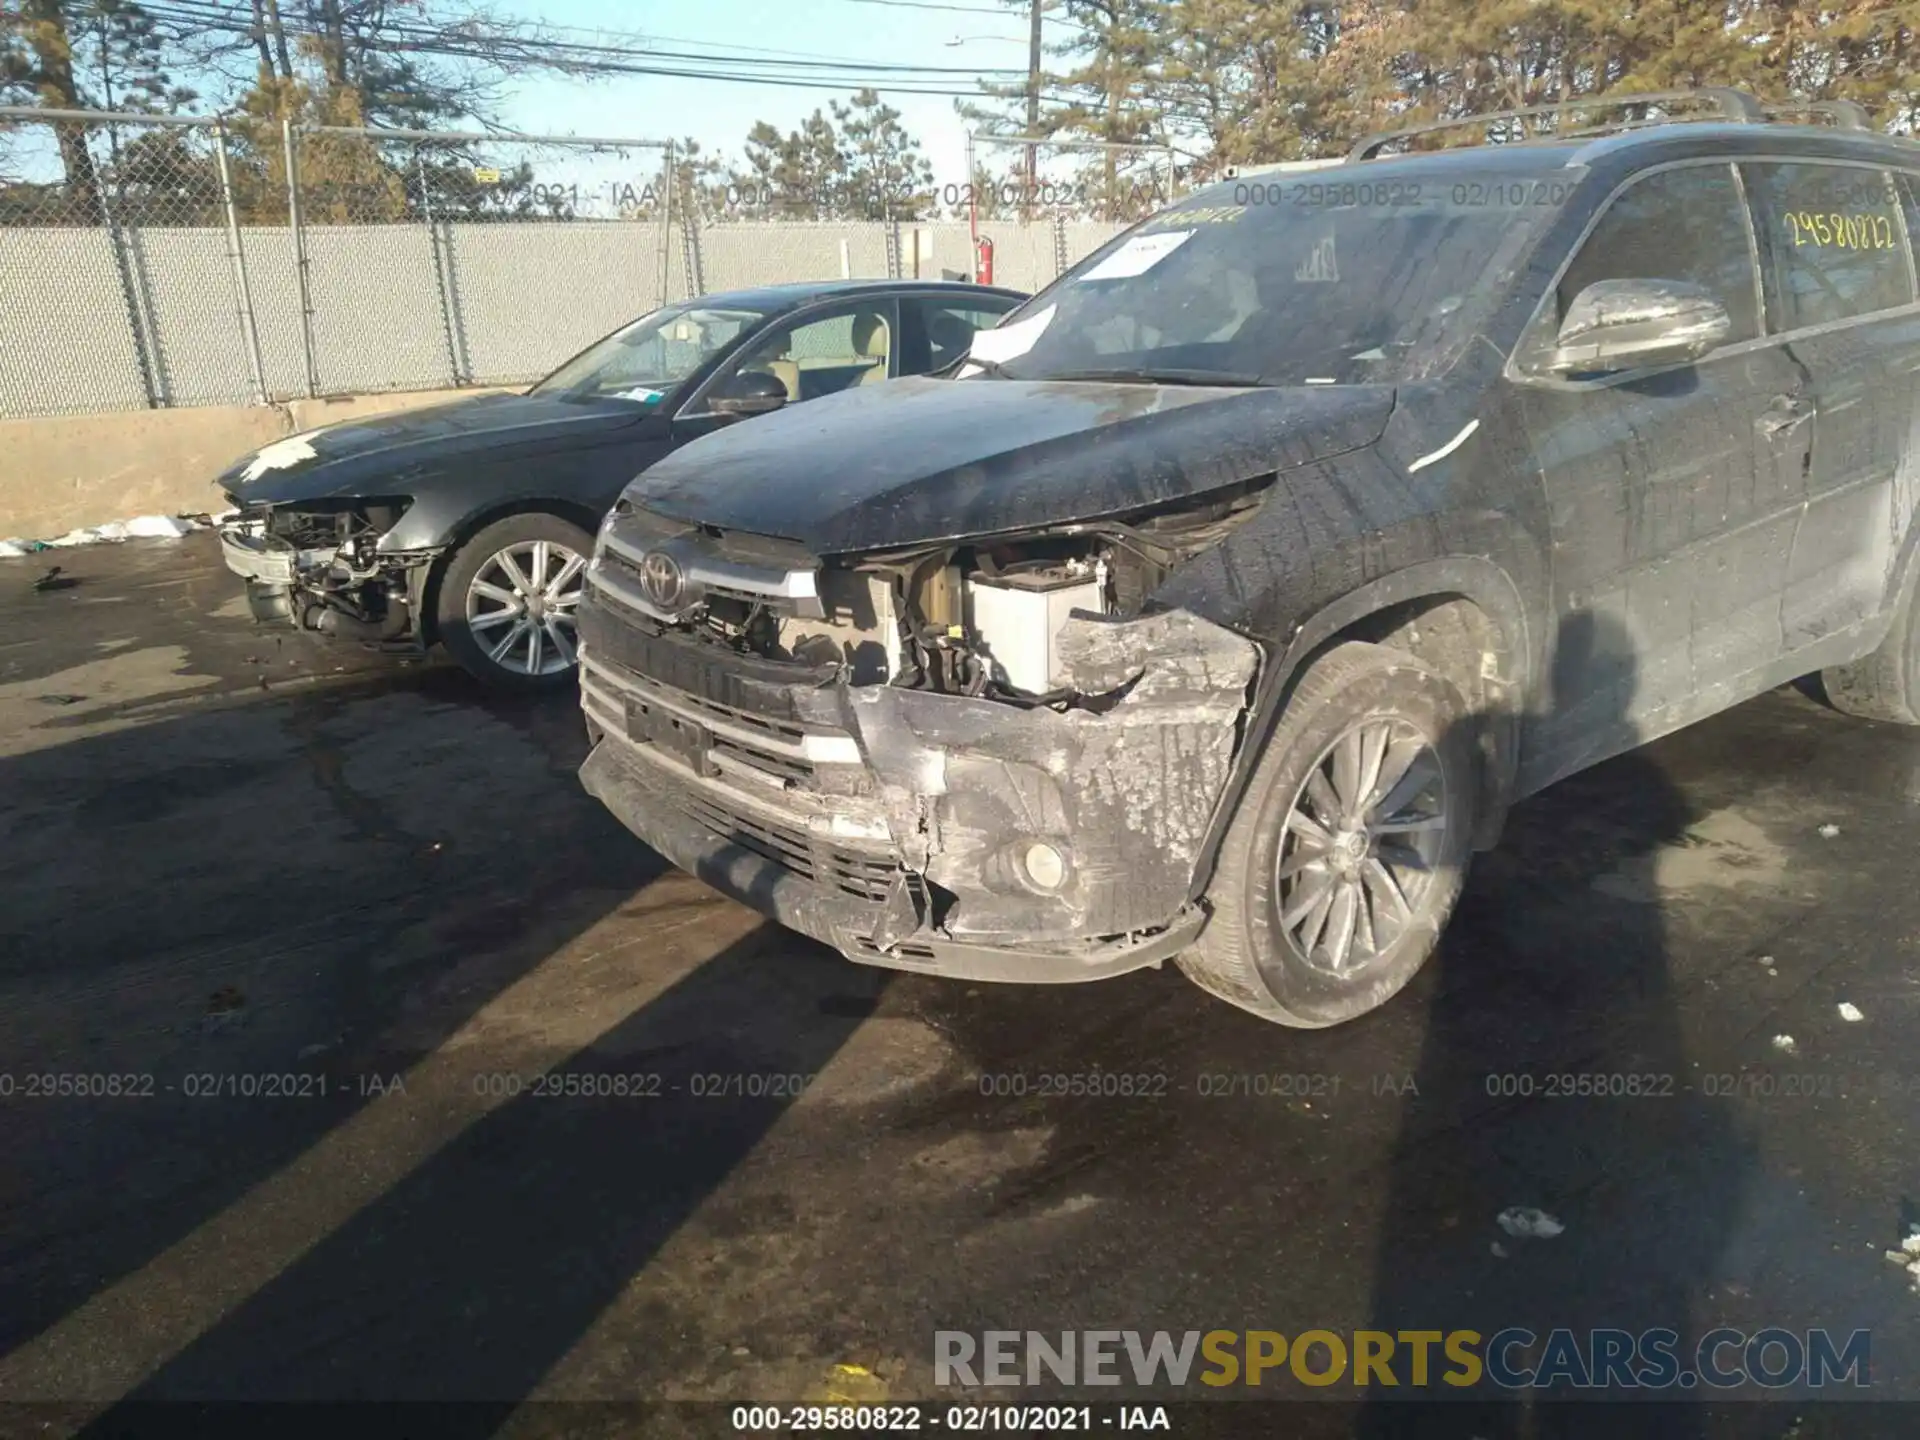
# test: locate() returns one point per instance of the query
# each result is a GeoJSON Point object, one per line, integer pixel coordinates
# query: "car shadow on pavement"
{"type": "Point", "coordinates": [474, 1276]}
{"type": "Point", "coordinates": [1521, 1203]}
{"type": "Point", "coordinates": [215, 921]}
{"type": "Point", "coordinates": [508, 1055]}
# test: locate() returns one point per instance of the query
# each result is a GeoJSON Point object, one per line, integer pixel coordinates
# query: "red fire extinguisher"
{"type": "Point", "coordinates": [983, 265]}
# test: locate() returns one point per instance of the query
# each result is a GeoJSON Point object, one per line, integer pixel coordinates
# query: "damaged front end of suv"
{"type": "Point", "coordinates": [989, 759]}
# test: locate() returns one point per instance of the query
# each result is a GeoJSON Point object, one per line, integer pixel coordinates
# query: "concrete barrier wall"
{"type": "Point", "coordinates": [61, 472]}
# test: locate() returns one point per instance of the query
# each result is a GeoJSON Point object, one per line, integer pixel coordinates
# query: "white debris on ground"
{"type": "Point", "coordinates": [1850, 1012]}
{"type": "Point", "coordinates": [141, 527]}
{"type": "Point", "coordinates": [1786, 1044]}
{"type": "Point", "coordinates": [155, 527]}
{"type": "Point", "coordinates": [1907, 1257]}
{"type": "Point", "coordinates": [1829, 832]}
{"type": "Point", "coordinates": [1525, 1220]}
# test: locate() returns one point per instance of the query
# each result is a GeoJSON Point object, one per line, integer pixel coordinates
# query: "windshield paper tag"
{"type": "Point", "coordinates": [1138, 255]}
{"type": "Point", "coordinates": [1006, 341]}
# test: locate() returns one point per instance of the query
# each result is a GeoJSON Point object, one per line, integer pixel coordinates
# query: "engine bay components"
{"type": "Point", "coordinates": [1015, 616]}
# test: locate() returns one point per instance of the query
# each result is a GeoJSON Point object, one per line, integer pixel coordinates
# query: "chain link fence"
{"type": "Point", "coordinates": [149, 261]}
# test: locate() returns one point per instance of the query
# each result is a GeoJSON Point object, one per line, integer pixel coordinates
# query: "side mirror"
{"type": "Point", "coordinates": [750, 392]}
{"type": "Point", "coordinates": [1626, 324]}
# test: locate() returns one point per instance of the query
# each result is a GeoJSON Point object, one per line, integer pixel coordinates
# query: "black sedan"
{"type": "Point", "coordinates": [470, 524]}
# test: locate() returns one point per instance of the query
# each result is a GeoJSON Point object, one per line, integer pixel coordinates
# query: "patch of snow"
{"type": "Point", "coordinates": [1786, 1044]}
{"type": "Point", "coordinates": [1829, 832]}
{"type": "Point", "coordinates": [141, 527]}
{"type": "Point", "coordinates": [156, 527]}
{"type": "Point", "coordinates": [1850, 1012]}
{"type": "Point", "coordinates": [1907, 1257]}
{"type": "Point", "coordinates": [1525, 1220]}
{"type": "Point", "coordinates": [1499, 1250]}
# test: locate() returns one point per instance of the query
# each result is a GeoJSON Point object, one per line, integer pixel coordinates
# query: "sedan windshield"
{"type": "Point", "coordinates": [643, 362]}
{"type": "Point", "coordinates": [1287, 282]}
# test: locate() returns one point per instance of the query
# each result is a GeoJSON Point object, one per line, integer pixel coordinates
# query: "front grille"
{"type": "Point", "coordinates": [861, 876]}
{"type": "Point", "coordinates": [711, 736]}
{"type": "Point", "coordinates": [743, 684]}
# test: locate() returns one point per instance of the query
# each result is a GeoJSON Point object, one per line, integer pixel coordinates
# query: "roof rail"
{"type": "Point", "coordinates": [1845, 114]}
{"type": "Point", "coordinates": [1730, 103]}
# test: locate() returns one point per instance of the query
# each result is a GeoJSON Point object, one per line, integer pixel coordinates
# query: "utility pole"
{"type": "Point", "coordinates": [1033, 110]}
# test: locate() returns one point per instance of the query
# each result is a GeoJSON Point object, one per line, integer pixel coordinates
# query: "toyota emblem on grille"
{"type": "Point", "coordinates": [660, 579]}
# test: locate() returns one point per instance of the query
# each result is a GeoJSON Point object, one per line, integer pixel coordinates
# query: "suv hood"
{"type": "Point", "coordinates": [922, 460]}
{"type": "Point", "coordinates": [363, 457]}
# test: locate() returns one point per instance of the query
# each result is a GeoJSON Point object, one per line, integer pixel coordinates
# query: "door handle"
{"type": "Point", "coordinates": [1786, 414]}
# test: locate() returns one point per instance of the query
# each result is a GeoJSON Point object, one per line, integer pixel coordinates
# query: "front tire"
{"type": "Point", "coordinates": [1350, 847]}
{"type": "Point", "coordinates": [1886, 684]}
{"type": "Point", "coordinates": [508, 601]}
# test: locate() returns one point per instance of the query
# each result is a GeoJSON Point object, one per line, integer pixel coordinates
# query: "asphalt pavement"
{"type": "Point", "coordinates": [350, 1051]}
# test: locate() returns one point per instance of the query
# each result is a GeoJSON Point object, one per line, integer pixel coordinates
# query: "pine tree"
{"type": "Point", "coordinates": [886, 176]}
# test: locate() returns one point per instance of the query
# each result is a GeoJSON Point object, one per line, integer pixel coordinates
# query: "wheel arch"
{"type": "Point", "coordinates": [427, 602]}
{"type": "Point", "coordinates": [1464, 616]}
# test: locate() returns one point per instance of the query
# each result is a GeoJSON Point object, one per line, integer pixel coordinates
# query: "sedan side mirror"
{"type": "Point", "coordinates": [751, 392]}
{"type": "Point", "coordinates": [1627, 324]}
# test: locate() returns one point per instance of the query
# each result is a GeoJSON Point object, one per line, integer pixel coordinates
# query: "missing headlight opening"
{"type": "Point", "coordinates": [984, 758]}
{"type": "Point", "coordinates": [984, 618]}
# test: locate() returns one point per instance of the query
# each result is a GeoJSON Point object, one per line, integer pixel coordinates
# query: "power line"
{"type": "Point", "coordinates": [933, 5]}
{"type": "Point", "coordinates": [580, 57]}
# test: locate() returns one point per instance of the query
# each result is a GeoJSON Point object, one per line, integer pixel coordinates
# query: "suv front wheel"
{"type": "Point", "coordinates": [1350, 846]}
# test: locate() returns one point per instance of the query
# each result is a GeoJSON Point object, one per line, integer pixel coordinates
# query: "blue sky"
{"type": "Point", "coordinates": [719, 114]}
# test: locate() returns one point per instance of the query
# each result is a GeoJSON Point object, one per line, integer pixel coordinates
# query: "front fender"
{"type": "Point", "coordinates": [1351, 537]}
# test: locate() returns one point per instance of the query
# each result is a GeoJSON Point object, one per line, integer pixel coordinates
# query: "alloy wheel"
{"type": "Point", "coordinates": [522, 606]}
{"type": "Point", "coordinates": [1363, 835]}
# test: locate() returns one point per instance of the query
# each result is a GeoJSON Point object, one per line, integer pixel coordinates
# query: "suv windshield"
{"type": "Point", "coordinates": [1294, 282]}
{"type": "Point", "coordinates": [643, 362]}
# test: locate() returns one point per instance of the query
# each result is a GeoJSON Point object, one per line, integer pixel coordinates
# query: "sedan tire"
{"type": "Point", "coordinates": [1350, 847]}
{"type": "Point", "coordinates": [509, 599]}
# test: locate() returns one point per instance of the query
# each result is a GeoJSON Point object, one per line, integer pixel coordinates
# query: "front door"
{"type": "Point", "coordinates": [1672, 493]}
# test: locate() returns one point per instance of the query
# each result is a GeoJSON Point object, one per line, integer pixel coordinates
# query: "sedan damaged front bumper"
{"type": "Point", "coordinates": [328, 588]}
{"type": "Point", "coordinates": [966, 837]}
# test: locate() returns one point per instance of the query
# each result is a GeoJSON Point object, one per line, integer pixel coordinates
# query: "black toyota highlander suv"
{"type": "Point", "coordinates": [1220, 605]}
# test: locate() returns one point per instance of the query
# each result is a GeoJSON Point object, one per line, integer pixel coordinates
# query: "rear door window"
{"type": "Point", "coordinates": [1835, 243]}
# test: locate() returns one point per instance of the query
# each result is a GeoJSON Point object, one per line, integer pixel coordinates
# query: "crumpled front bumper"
{"type": "Point", "coordinates": [270, 567]}
{"type": "Point", "coordinates": [312, 588]}
{"type": "Point", "coordinates": [889, 823]}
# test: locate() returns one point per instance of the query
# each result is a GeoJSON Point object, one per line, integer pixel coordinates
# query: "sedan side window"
{"type": "Point", "coordinates": [1689, 224]}
{"type": "Point", "coordinates": [834, 352]}
{"type": "Point", "coordinates": [1834, 243]}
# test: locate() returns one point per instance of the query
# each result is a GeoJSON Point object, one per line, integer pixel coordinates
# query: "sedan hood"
{"type": "Point", "coordinates": [922, 460]}
{"type": "Point", "coordinates": [364, 457]}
